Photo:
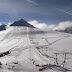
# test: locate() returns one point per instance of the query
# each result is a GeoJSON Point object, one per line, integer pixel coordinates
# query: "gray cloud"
{"type": "Point", "coordinates": [7, 7]}
{"type": "Point", "coordinates": [15, 6]}
{"type": "Point", "coordinates": [44, 11]}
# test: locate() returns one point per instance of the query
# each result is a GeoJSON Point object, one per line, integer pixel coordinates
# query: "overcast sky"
{"type": "Point", "coordinates": [47, 11]}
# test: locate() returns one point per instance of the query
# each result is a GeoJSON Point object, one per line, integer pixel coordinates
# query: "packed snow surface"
{"type": "Point", "coordinates": [29, 47]}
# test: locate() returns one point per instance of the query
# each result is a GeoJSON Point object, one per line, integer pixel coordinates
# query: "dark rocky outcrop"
{"type": "Point", "coordinates": [2, 27]}
{"type": "Point", "coordinates": [22, 23]}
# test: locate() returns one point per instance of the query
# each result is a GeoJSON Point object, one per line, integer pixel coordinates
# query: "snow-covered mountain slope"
{"type": "Point", "coordinates": [29, 47]}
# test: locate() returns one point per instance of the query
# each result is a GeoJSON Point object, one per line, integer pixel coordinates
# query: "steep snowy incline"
{"type": "Point", "coordinates": [27, 47]}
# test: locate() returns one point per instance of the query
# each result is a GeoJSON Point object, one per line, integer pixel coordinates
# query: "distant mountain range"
{"type": "Point", "coordinates": [26, 24]}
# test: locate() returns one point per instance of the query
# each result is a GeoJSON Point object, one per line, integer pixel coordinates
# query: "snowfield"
{"type": "Point", "coordinates": [30, 49]}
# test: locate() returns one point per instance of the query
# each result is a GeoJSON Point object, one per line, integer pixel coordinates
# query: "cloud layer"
{"type": "Point", "coordinates": [44, 26]}
{"type": "Point", "coordinates": [63, 25]}
{"type": "Point", "coordinates": [35, 23]}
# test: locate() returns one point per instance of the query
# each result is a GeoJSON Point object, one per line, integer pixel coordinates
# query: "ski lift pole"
{"type": "Point", "coordinates": [64, 60]}
{"type": "Point", "coordinates": [56, 59]}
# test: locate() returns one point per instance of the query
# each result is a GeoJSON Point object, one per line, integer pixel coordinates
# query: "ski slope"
{"type": "Point", "coordinates": [29, 47]}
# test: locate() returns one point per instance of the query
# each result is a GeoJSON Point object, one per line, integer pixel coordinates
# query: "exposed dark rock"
{"type": "Point", "coordinates": [22, 23]}
{"type": "Point", "coordinates": [2, 27]}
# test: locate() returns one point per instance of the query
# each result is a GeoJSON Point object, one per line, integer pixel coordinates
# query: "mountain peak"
{"type": "Point", "coordinates": [22, 22]}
